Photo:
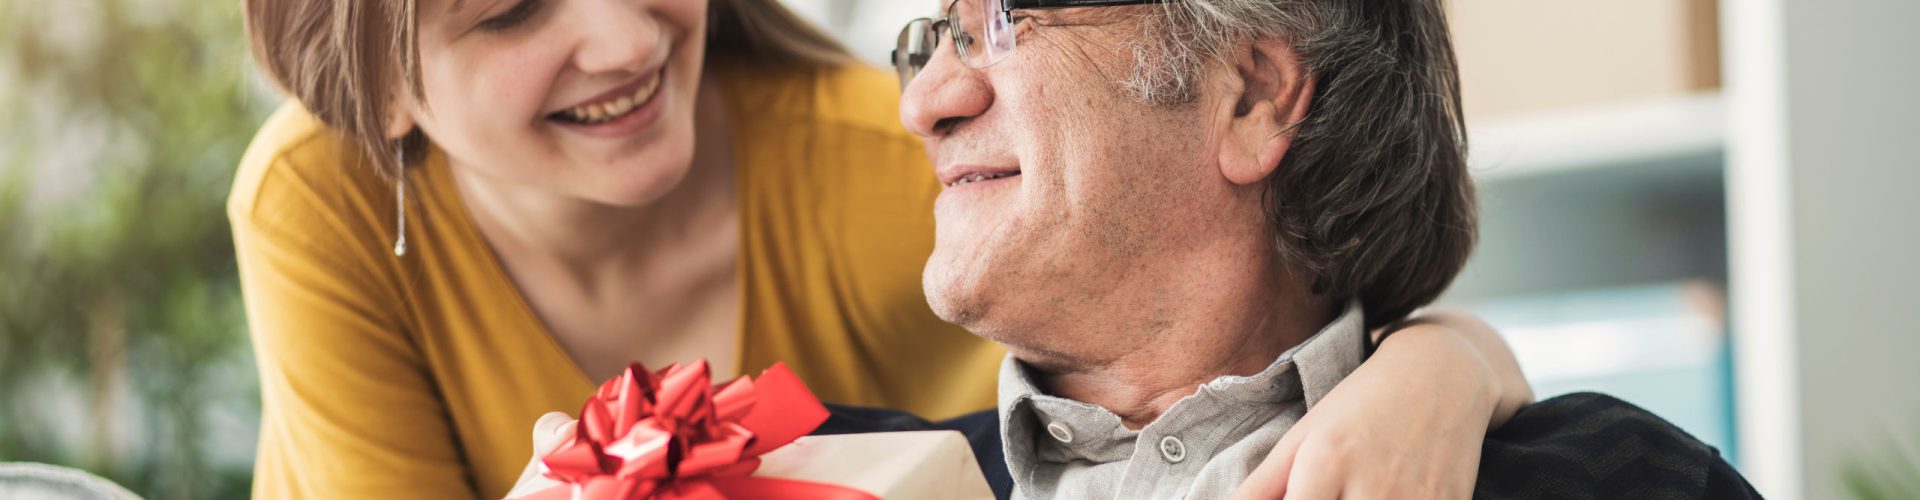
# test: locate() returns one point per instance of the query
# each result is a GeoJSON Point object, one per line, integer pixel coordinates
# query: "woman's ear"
{"type": "Point", "coordinates": [1275, 92]}
{"type": "Point", "coordinates": [399, 120]}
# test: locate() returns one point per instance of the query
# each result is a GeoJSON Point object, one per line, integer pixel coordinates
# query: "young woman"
{"type": "Point", "coordinates": [473, 210]}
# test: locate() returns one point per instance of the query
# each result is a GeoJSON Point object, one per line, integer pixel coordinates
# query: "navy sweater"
{"type": "Point", "coordinates": [1575, 446]}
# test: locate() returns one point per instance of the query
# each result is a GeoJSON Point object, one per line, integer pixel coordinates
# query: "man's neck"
{"type": "Point", "coordinates": [1233, 324]}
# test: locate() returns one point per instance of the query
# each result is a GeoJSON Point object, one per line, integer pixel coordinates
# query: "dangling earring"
{"type": "Point", "coordinates": [400, 199]}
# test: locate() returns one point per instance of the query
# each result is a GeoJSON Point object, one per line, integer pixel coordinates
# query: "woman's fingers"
{"type": "Point", "coordinates": [550, 431]}
{"type": "Point", "coordinates": [1315, 476]}
{"type": "Point", "coordinates": [1269, 480]}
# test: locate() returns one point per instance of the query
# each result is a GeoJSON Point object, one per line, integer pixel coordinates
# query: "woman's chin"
{"type": "Point", "coordinates": [636, 189]}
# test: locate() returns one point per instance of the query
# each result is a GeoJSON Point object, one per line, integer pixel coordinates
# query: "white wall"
{"type": "Point", "coordinates": [868, 27]}
{"type": "Point", "coordinates": [1825, 233]}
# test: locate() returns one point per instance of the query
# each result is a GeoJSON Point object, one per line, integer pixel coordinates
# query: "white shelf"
{"type": "Point", "coordinates": [1593, 137]}
{"type": "Point", "coordinates": [1601, 196]}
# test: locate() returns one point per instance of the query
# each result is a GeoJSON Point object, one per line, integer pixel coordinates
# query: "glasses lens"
{"type": "Point", "coordinates": [914, 48]}
{"type": "Point", "coordinates": [982, 31]}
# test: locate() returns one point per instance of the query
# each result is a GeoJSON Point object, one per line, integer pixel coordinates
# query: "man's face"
{"type": "Point", "coordinates": [1064, 197]}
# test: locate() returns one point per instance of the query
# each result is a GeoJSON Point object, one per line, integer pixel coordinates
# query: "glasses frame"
{"type": "Point", "coordinates": [920, 38]}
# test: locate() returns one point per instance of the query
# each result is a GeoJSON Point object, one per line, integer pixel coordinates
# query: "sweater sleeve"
{"type": "Point", "coordinates": [1590, 445]}
{"type": "Point", "coordinates": [1723, 482]}
{"type": "Point", "coordinates": [350, 408]}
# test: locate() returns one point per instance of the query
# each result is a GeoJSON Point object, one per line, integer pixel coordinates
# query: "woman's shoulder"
{"type": "Point", "coordinates": [860, 96]}
{"type": "Point", "coordinates": [835, 128]}
{"type": "Point", "coordinates": [297, 173]}
{"type": "Point", "coordinates": [853, 98]}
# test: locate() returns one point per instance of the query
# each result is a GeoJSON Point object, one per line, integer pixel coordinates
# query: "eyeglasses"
{"type": "Point", "coordinates": [981, 30]}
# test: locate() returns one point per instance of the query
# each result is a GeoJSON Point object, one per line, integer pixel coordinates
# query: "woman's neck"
{"type": "Point", "coordinates": [586, 238]}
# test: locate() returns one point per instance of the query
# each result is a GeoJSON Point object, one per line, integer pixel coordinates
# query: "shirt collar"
{"type": "Point", "coordinates": [1304, 373]}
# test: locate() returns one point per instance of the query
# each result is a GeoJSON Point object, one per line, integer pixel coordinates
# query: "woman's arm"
{"type": "Point", "coordinates": [1497, 363]}
{"type": "Point", "coordinates": [1407, 424]}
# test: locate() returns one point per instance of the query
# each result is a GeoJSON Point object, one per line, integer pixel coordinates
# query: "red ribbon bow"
{"type": "Point", "coordinates": [672, 435]}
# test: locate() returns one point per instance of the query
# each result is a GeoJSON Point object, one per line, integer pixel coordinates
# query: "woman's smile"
{"type": "Point", "coordinates": [617, 113]}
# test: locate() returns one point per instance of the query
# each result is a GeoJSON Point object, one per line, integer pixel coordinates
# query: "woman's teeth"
{"type": "Point", "coordinates": [612, 110]}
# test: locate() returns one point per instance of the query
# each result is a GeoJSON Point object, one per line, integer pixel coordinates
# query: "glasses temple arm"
{"type": "Point", "coordinates": [1009, 5]}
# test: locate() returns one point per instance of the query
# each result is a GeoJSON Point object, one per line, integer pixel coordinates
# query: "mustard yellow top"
{"type": "Point", "coordinates": [421, 376]}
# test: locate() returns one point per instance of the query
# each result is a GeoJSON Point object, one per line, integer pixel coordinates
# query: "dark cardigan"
{"type": "Point", "coordinates": [1575, 446]}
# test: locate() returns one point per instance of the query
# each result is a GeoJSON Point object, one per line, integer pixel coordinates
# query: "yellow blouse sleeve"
{"type": "Point", "coordinates": [349, 407]}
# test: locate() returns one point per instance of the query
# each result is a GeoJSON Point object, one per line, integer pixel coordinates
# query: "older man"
{"type": "Point", "coordinates": [1183, 218]}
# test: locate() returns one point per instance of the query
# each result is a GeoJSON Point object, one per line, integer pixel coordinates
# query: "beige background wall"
{"type": "Point", "coordinates": [1531, 55]}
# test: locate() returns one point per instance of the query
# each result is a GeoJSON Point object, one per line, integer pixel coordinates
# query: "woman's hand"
{"type": "Point", "coordinates": [1407, 424]}
{"type": "Point", "coordinates": [551, 431]}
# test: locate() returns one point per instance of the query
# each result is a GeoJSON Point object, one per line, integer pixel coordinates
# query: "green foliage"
{"type": "Point", "coordinates": [123, 348]}
{"type": "Point", "coordinates": [1889, 473]}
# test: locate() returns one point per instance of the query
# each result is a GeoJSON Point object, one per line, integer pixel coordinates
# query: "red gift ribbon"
{"type": "Point", "coordinates": [671, 435]}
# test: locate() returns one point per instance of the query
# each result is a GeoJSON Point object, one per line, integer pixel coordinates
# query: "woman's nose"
{"type": "Point", "coordinates": [615, 35]}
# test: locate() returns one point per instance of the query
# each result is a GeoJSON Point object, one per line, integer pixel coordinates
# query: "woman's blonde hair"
{"type": "Point", "coordinates": [343, 59]}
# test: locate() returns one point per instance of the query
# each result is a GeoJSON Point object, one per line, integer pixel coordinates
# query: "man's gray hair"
{"type": "Point", "coordinates": [1373, 197]}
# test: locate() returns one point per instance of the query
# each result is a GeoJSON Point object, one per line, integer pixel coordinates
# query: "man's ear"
{"type": "Point", "coordinates": [1274, 93]}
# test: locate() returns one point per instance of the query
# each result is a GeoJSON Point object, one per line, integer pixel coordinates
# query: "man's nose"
{"type": "Point", "coordinates": [945, 93]}
{"type": "Point", "coordinates": [613, 35]}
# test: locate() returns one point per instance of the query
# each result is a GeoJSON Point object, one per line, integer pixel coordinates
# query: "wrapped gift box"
{"type": "Point", "coordinates": [671, 435]}
{"type": "Point", "coordinates": [925, 465]}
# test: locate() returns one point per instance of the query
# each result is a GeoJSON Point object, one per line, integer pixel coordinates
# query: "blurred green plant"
{"type": "Point", "coordinates": [1889, 473]}
{"type": "Point", "coordinates": [123, 347]}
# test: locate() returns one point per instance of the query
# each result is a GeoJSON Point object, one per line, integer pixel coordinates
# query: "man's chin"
{"type": "Point", "coordinates": [969, 309]}
{"type": "Point", "coordinates": [950, 298]}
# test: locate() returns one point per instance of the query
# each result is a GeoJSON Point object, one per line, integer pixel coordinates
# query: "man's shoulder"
{"type": "Point", "coordinates": [1588, 445]}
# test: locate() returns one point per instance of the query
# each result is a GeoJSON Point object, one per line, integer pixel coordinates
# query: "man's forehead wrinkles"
{"type": "Point", "coordinates": [1095, 51]}
{"type": "Point", "coordinates": [1081, 16]}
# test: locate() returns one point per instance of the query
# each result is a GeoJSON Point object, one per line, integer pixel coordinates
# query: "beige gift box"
{"type": "Point", "coordinates": [921, 465]}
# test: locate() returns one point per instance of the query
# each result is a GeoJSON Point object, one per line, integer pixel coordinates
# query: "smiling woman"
{"type": "Point", "coordinates": [344, 75]}
{"type": "Point", "coordinates": [587, 183]}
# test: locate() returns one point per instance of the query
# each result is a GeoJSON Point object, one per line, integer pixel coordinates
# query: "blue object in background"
{"type": "Point", "coordinates": [1662, 347]}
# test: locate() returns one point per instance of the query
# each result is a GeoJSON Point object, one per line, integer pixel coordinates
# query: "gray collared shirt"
{"type": "Point", "coordinates": [1202, 447]}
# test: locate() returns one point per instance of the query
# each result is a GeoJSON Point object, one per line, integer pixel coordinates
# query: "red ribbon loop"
{"type": "Point", "coordinates": [672, 435]}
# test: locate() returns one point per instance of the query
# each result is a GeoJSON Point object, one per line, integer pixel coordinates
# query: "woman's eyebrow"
{"type": "Point", "coordinates": [459, 6]}
{"type": "Point", "coordinates": [455, 10]}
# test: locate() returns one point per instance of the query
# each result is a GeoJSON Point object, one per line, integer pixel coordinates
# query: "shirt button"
{"type": "Point", "coordinates": [1060, 432]}
{"type": "Point", "coordinates": [1172, 449]}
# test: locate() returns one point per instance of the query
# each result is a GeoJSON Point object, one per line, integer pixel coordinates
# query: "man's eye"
{"type": "Point", "coordinates": [511, 18]}
{"type": "Point", "coordinates": [1040, 17]}
{"type": "Point", "coordinates": [1029, 21]}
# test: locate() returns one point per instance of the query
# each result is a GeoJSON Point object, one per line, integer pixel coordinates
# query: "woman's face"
{"type": "Point", "coordinates": [588, 99]}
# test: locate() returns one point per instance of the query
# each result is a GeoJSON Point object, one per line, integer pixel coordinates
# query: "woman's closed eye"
{"type": "Point", "coordinates": [513, 17]}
